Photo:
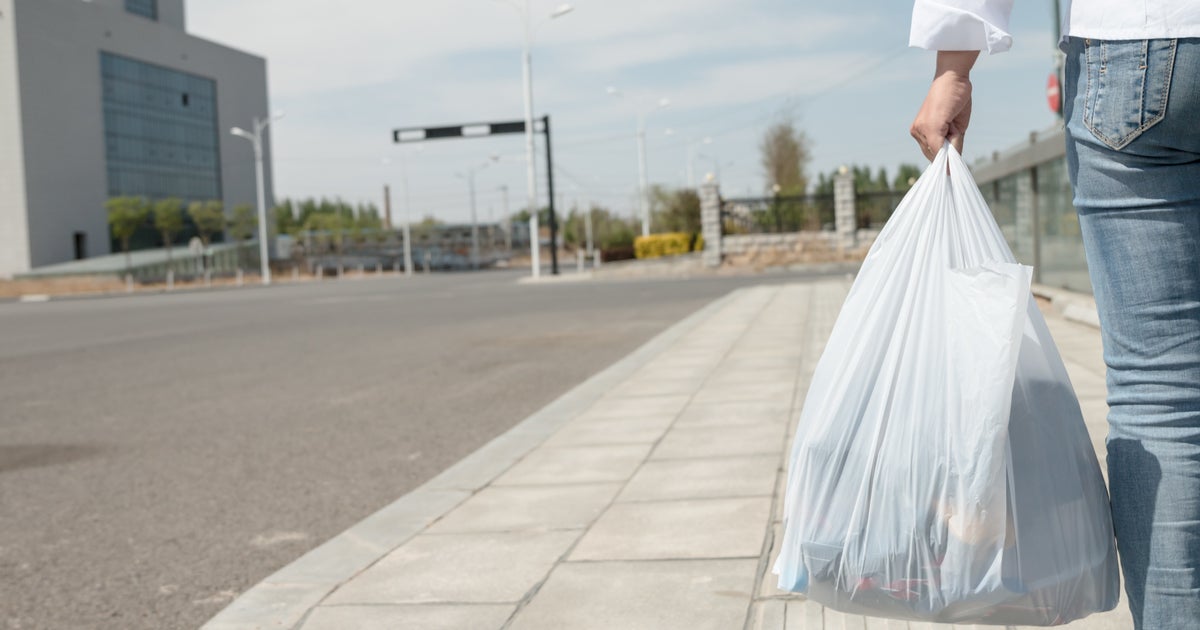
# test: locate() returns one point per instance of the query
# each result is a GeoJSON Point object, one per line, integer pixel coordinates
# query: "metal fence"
{"type": "Point", "coordinates": [433, 247]}
{"type": "Point", "coordinates": [779, 214]}
{"type": "Point", "coordinates": [804, 213]}
{"type": "Point", "coordinates": [873, 209]}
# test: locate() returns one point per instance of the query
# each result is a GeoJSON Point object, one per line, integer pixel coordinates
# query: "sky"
{"type": "Point", "coordinates": [346, 74]}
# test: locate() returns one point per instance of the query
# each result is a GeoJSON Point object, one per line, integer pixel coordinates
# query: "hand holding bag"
{"type": "Point", "coordinates": [941, 469]}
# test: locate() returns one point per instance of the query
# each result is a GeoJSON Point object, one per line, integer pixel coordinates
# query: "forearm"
{"type": "Point", "coordinates": [958, 62]}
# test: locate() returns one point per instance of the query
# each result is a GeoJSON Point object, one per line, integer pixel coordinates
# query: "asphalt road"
{"type": "Point", "coordinates": [160, 454]}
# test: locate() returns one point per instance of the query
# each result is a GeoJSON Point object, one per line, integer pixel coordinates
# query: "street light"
{"type": "Point", "coordinates": [260, 124]}
{"type": "Point", "coordinates": [470, 177]}
{"type": "Point", "coordinates": [408, 261]}
{"type": "Point", "coordinates": [522, 7]}
{"type": "Point", "coordinates": [715, 163]}
{"type": "Point", "coordinates": [691, 155]}
{"type": "Point", "coordinates": [641, 143]}
{"type": "Point", "coordinates": [507, 220]}
{"type": "Point", "coordinates": [691, 158]}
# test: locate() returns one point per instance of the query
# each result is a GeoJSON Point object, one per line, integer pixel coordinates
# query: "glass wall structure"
{"type": "Point", "coordinates": [144, 8]}
{"type": "Point", "coordinates": [160, 132]}
{"type": "Point", "coordinates": [1031, 199]}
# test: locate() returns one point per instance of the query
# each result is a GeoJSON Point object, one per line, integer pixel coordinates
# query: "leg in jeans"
{"type": "Point", "coordinates": [1133, 151]}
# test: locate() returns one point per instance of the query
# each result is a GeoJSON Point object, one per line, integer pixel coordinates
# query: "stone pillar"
{"type": "Point", "coordinates": [710, 223]}
{"type": "Point", "coordinates": [844, 214]}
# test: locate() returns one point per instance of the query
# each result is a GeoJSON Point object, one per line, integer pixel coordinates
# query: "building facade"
{"type": "Point", "coordinates": [105, 98]}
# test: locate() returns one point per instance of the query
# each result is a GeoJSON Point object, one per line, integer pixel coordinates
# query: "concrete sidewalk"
{"type": "Point", "coordinates": [646, 498]}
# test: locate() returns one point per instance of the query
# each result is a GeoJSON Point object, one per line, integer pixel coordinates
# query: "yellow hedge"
{"type": "Point", "coordinates": [668, 244]}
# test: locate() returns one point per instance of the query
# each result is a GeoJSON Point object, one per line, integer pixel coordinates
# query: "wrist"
{"type": "Point", "coordinates": [956, 62]}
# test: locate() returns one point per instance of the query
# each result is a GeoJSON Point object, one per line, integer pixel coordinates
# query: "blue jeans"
{"type": "Point", "coordinates": [1133, 151]}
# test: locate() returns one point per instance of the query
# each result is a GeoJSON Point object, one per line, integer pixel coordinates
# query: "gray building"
{"type": "Point", "coordinates": [103, 98]}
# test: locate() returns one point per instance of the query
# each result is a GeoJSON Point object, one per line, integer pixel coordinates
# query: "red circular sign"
{"type": "Point", "coordinates": [1054, 94]}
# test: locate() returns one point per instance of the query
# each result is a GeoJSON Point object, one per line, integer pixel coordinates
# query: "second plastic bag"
{"type": "Point", "coordinates": [941, 470]}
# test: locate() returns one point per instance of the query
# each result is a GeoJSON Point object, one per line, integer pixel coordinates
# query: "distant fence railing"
{"type": "Point", "coordinates": [804, 213]}
{"type": "Point", "coordinates": [777, 215]}
{"type": "Point", "coordinates": [873, 209]}
{"type": "Point", "coordinates": [435, 247]}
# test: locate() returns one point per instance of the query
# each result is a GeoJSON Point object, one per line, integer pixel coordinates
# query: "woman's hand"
{"type": "Point", "coordinates": [946, 111]}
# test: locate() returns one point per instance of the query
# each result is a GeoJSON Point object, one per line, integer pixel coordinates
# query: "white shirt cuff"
{"type": "Point", "coordinates": [961, 25]}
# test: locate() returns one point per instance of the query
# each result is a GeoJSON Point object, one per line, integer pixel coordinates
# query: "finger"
{"type": "Point", "coordinates": [918, 134]}
{"type": "Point", "coordinates": [932, 143]}
{"type": "Point", "coordinates": [955, 137]}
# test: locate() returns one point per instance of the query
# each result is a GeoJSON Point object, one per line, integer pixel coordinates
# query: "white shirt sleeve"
{"type": "Point", "coordinates": [961, 25]}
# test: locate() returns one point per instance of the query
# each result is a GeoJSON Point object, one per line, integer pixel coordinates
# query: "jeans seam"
{"type": "Point", "coordinates": [1087, 95]}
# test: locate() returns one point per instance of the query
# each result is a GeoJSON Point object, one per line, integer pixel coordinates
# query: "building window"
{"type": "Point", "coordinates": [145, 8]}
{"type": "Point", "coordinates": [160, 131]}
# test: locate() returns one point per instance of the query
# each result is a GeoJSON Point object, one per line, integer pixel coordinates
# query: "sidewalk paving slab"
{"type": "Point", "coordinates": [647, 498]}
{"type": "Point", "coordinates": [655, 595]}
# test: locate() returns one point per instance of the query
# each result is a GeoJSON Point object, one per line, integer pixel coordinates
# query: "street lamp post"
{"type": "Point", "coordinates": [408, 259]}
{"type": "Point", "coordinates": [644, 206]}
{"type": "Point", "coordinates": [407, 228]}
{"type": "Point", "coordinates": [527, 84]}
{"type": "Point", "coordinates": [716, 164]}
{"type": "Point", "coordinates": [260, 124]}
{"type": "Point", "coordinates": [470, 177]}
{"type": "Point", "coordinates": [691, 158]}
{"type": "Point", "coordinates": [507, 220]}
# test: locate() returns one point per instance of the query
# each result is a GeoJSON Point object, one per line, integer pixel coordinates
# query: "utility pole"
{"type": "Point", "coordinates": [507, 220]}
{"type": "Point", "coordinates": [587, 227]}
{"type": "Point", "coordinates": [387, 207]}
{"type": "Point", "coordinates": [408, 260]}
{"type": "Point", "coordinates": [256, 138]}
{"type": "Point", "coordinates": [550, 190]}
{"type": "Point", "coordinates": [642, 192]}
{"type": "Point", "coordinates": [474, 222]}
{"type": "Point", "coordinates": [1058, 55]}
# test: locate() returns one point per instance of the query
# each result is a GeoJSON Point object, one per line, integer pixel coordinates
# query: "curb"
{"type": "Point", "coordinates": [283, 599]}
{"type": "Point", "coordinates": [39, 298]}
{"type": "Point", "coordinates": [1073, 306]}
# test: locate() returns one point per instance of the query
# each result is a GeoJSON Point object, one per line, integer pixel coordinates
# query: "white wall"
{"type": "Point", "coordinates": [170, 12]}
{"type": "Point", "coordinates": [59, 44]}
{"type": "Point", "coordinates": [14, 247]}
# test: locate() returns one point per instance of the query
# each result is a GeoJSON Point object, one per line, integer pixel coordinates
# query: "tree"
{"type": "Point", "coordinates": [168, 220]}
{"type": "Point", "coordinates": [785, 157]}
{"type": "Point", "coordinates": [675, 210]}
{"type": "Point", "coordinates": [367, 224]}
{"type": "Point", "coordinates": [906, 176]}
{"type": "Point", "coordinates": [284, 216]}
{"type": "Point", "coordinates": [209, 217]}
{"type": "Point", "coordinates": [243, 224]}
{"type": "Point", "coordinates": [125, 216]}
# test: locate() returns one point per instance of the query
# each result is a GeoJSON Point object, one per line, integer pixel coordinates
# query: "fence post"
{"type": "Point", "coordinates": [845, 216]}
{"type": "Point", "coordinates": [710, 222]}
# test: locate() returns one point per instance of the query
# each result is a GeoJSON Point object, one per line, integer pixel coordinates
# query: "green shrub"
{"type": "Point", "coordinates": [668, 244]}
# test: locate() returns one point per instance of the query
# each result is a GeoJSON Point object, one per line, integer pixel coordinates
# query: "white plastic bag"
{"type": "Point", "coordinates": [941, 470]}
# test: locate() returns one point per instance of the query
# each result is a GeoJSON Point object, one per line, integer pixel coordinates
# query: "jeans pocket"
{"type": "Point", "coordinates": [1127, 87]}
